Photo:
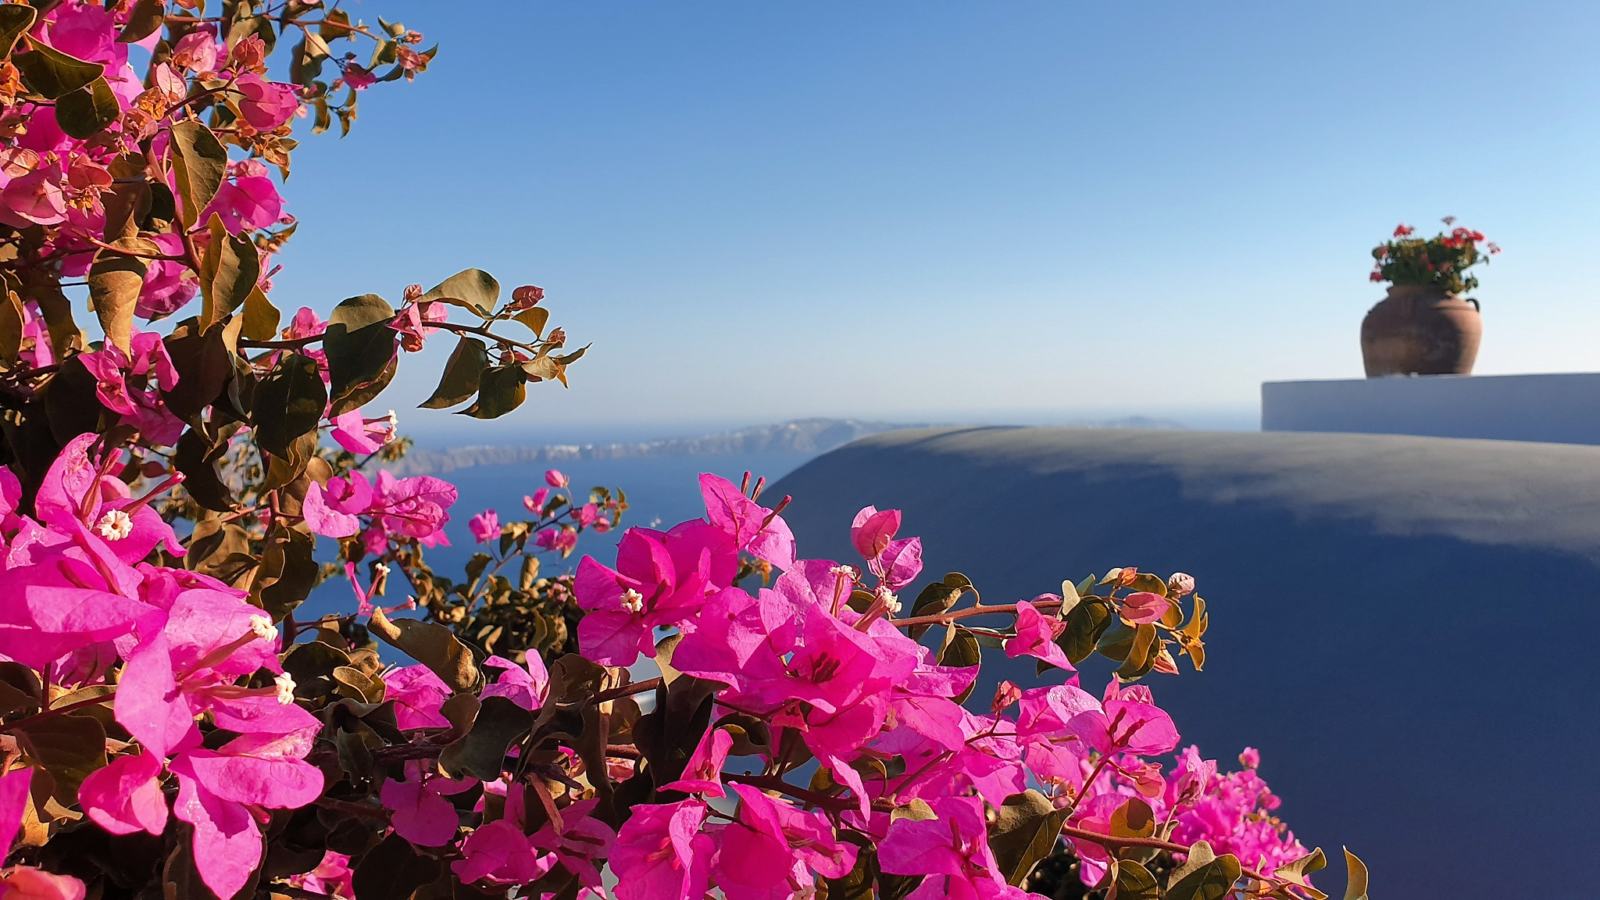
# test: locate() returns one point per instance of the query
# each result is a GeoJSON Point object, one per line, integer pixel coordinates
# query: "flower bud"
{"type": "Point", "coordinates": [1005, 694]}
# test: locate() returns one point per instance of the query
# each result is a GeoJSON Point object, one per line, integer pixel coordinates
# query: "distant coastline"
{"type": "Point", "coordinates": [813, 436]}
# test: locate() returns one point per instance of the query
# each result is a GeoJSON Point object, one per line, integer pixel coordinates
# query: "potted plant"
{"type": "Point", "coordinates": [1424, 326]}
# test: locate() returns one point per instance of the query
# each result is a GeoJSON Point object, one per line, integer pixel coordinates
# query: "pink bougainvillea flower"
{"type": "Point", "coordinates": [265, 104]}
{"type": "Point", "coordinates": [1036, 636]}
{"type": "Point", "coordinates": [1142, 607]}
{"type": "Point", "coordinates": [498, 852]}
{"type": "Point", "coordinates": [247, 200]}
{"type": "Point", "coordinates": [415, 323]}
{"type": "Point", "coordinates": [527, 686]}
{"type": "Point", "coordinates": [34, 198]}
{"type": "Point", "coordinates": [587, 514]}
{"type": "Point", "coordinates": [168, 284]}
{"type": "Point", "coordinates": [140, 406]}
{"type": "Point", "coordinates": [534, 503]}
{"type": "Point", "coordinates": [332, 877]}
{"type": "Point", "coordinates": [197, 51]}
{"type": "Point", "coordinates": [899, 563]}
{"type": "Point", "coordinates": [416, 507]}
{"type": "Point", "coordinates": [125, 796]}
{"type": "Point", "coordinates": [358, 434]}
{"type": "Point", "coordinates": [418, 810]}
{"type": "Point", "coordinates": [702, 774]}
{"type": "Point", "coordinates": [872, 531]}
{"type": "Point", "coordinates": [417, 694]}
{"type": "Point", "coordinates": [751, 526]}
{"type": "Point", "coordinates": [1129, 721]}
{"type": "Point", "coordinates": [332, 510]}
{"type": "Point", "coordinates": [952, 849]}
{"type": "Point", "coordinates": [771, 848]}
{"type": "Point", "coordinates": [561, 540]}
{"type": "Point", "coordinates": [216, 790]}
{"type": "Point", "coordinates": [555, 478]}
{"type": "Point", "coordinates": [357, 76]}
{"type": "Point", "coordinates": [578, 839]}
{"type": "Point", "coordinates": [212, 637]}
{"type": "Point", "coordinates": [485, 526]}
{"type": "Point", "coordinates": [78, 491]}
{"type": "Point", "coordinates": [895, 563]}
{"type": "Point", "coordinates": [661, 579]}
{"type": "Point", "coordinates": [662, 854]}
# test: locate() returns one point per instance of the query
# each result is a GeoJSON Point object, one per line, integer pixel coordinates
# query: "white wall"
{"type": "Point", "coordinates": [1561, 408]}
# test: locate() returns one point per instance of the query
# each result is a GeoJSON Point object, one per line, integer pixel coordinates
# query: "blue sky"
{"type": "Point", "coordinates": [1017, 211]}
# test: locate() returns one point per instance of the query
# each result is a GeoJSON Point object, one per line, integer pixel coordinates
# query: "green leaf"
{"type": "Point", "coordinates": [15, 20]}
{"type": "Point", "coordinates": [260, 316]}
{"type": "Point", "coordinates": [432, 645]}
{"type": "Point", "coordinates": [229, 270]}
{"type": "Point", "coordinates": [1133, 819]}
{"type": "Point", "coordinates": [1085, 624]}
{"type": "Point", "coordinates": [472, 289]}
{"type": "Point", "coordinates": [289, 570]}
{"type": "Point", "coordinates": [535, 318]}
{"type": "Point", "coordinates": [87, 110]}
{"type": "Point", "coordinates": [361, 351]}
{"type": "Point", "coordinates": [204, 363]}
{"type": "Point", "coordinates": [1204, 875]}
{"type": "Point", "coordinates": [70, 747]}
{"type": "Point", "coordinates": [1142, 653]}
{"type": "Point", "coordinates": [960, 649]}
{"type": "Point", "coordinates": [143, 21]}
{"type": "Point", "coordinates": [359, 312]}
{"type": "Point", "coordinates": [1355, 877]}
{"type": "Point", "coordinates": [393, 869]}
{"type": "Point", "coordinates": [115, 280]}
{"type": "Point", "coordinates": [939, 597]}
{"type": "Point", "coordinates": [199, 162]}
{"type": "Point", "coordinates": [482, 751]}
{"type": "Point", "coordinates": [501, 390]}
{"type": "Point", "coordinates": [198, 463]}
{"type": "Point", "coordinates": [1134, 882]}
{"type": "Point", "coordinates": [1024, 830]}
{"type": "Point", "coordinates": [50, 72]}
{"type": "Point", "coordinates": [288, 403]}
{"type": "Point", "coordinates": [463, 372]}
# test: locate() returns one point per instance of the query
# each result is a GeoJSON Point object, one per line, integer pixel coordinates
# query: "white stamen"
{"type": "Point", "coordinates": [114, 525]}
{"type": "Point", "coordinates": [632, 601]}
{"type": "Point", "coordinates": [847, 571]}
{"type": "Point", "coordinates": [890, 601]}
{"type": "Point", "coordinates": [263, 628]}
{"type": "Point", "coordinates": [285, 684]}
{"type": "Point", "coordinates": [394, 425]}
{"type": "Point", "coordinates": [381, 569]}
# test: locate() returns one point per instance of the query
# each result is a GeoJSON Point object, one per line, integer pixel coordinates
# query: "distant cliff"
{"type": "Point", "coordinates": [812, 436]}
{"type": "Point", "coordinates": [804, 436]}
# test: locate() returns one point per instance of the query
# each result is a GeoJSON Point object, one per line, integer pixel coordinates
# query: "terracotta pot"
{"type": "Point", "coordinates": [1421, 330]}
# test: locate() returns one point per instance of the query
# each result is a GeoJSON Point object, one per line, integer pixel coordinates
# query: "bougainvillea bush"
{"type": "Point", "coordinates": [708, 712]}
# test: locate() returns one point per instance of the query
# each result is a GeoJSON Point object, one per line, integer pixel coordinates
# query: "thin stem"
{"type": "Point", "coordinates": [628, 690]}
{"type": "Point", "coordinates": [1111, 840]}
{"type": "Point", "coordinates": [948, 617]}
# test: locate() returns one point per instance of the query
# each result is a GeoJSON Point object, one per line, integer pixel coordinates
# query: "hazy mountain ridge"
{"type": "Point", "coordinates": [814, 436]}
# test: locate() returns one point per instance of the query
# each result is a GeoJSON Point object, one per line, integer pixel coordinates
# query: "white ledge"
{"type": "Point", "coordinates": [1555, 408]}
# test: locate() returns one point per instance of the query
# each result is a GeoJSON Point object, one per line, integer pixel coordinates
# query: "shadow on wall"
{"type": "Point", "coordinates": [1399, 624]}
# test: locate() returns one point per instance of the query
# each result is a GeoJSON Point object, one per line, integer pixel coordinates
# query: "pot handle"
{"type": "Point", "coordinates": [1474, 302]}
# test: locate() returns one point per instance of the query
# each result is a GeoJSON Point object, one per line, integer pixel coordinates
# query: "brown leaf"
{"type": "Point", "coordinates": [115, 280]}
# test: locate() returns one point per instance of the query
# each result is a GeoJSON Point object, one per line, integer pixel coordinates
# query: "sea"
{"type": "Point", "coordinates": [661, 491]}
